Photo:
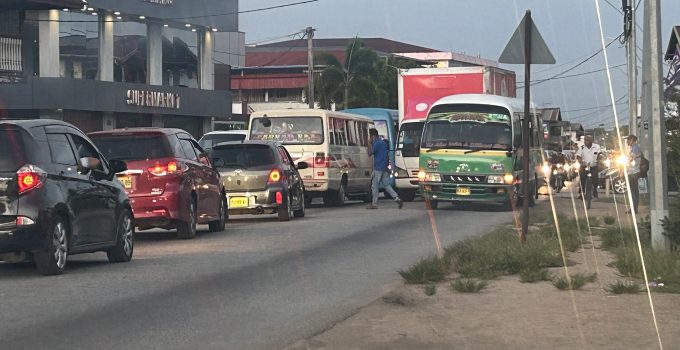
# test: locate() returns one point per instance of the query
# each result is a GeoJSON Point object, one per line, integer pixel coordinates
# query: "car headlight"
{"type": "Point", "coordinates": [495, 179]}
{"type": "Point", "coordinates": [433, 177]}
{"type": "Point", "coordinates": [622, 160]}
{"type": "Point", "coordinates": [608, 163]}
{"type": "Point", "coordinates": [509, 178]}
{"type": "Point", "coordinates": [559, 166]}
{"type": "Point", "coordinates": [546, 169]}
{"type": "Point", "coordinates": [401, 172]}
{"type": "Point", "coordinates": [577, 166]}
{"type": "Point", "coordinates": [555, 172]}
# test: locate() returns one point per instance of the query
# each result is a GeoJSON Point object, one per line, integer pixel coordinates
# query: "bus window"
{"type": "Point", "coordinates": [331, 131]}
{"type": "Point", "coordinates": [340, 132]}
{"type": "Point", "coordinates": [351, 133]}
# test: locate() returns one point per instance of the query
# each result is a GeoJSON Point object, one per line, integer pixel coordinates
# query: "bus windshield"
{"type": "Point", "coordinates": [289, 130]}
{"type": "Point", "coordinates": [458, 127]}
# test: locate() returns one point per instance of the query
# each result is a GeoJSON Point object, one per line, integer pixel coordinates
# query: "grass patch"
{"type": "Point", "coordinates": [531, 275]}
{"type": "Point", "coordinates": [468, 285]}
{"type": "Point", "coordinates": [424, 271]}
{"type": "Point", "coordinates": [577, 281]}
{"type": "Point", "coordinates": [609, 220]}
{"type": "Point", "coordinates": [430, 290]}
{"type": "Point", "coordinates": [662, 266]}
{"type": "Point", "coordinates": [624, 287]}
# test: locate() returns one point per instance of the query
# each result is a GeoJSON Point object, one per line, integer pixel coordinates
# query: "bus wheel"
{"type": "Point", "coordinates": [335, 198]}
{"type": "Point", "coordinates": [407, 195]}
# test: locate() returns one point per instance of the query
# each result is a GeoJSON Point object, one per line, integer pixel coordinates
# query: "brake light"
{"type": "Point", "coordinates": [169, 169]}
{"type": "Point", "coordinates": [29, 178]}
{"type": "Point", "coordinates": [275, 176]}
{"type": "Point", "coordinates": [321, 161]}
{"type": "Point", "coordinates": [279, 198]}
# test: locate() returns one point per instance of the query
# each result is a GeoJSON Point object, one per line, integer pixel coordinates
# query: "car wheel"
{"type": "Point", "coordinates": [620, 185]}
{"type": "Point", "coordinates": [300, 213]}
{"type": "Point", "coordinates": [187, 229]}
{"type": "Point", "coordinates": [125, 241]}
{"type": "Point", "coordinates": [53, 261]}
{"type": "Point", "coordinates": [218, 225]}
{"type": "Point", "coordinates": [407, 195]}
{"type": "Point", "coordinates": [286, 212]}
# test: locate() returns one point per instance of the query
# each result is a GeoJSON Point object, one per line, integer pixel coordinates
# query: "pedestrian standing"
{"type": "Point", "coordinates": [379, 152]}
{"type": "Point", "coordinates": [588, 155]}
{"type": "Point", "coordinates": [634, 159]}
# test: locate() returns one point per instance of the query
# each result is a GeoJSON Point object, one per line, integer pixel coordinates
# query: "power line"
{"type": "Point", "coordinates": [581, 74]}
{"type": "Point", "coordinates": [593, 108]}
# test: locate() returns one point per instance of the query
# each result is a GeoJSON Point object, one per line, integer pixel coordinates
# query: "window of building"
{"type": "Point", "coordinates": [129, 51]}
{"type": "Point", "coordinates": [78, 45]}
{"type": "Point", "coordinates": [180, 58]}
{"type": "Point", "coordinates": [10, 44]}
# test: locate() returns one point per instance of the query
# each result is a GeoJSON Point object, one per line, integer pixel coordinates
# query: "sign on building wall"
{"type": "Point", "coordinates": [156, 99]}
{"type": "Point", "coordinates": [161, 2]}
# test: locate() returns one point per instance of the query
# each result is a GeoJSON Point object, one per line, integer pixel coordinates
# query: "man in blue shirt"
{"type": "Point", "coordinates": [379, 153]}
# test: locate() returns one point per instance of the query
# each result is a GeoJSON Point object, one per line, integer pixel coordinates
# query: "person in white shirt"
{"type": "Point", "coordinates": [588, 154]}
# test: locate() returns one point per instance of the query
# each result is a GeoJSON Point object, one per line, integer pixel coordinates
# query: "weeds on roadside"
{"type": "Point", "coordinates": [577, 281]}
{"type": "Point", "coordinates": [624, 287]}
{"type": "Point", "coordinates": [661, 265]}
{"type": "Point", "coordinates": [425, 271]}
{"type": "Point", "coordinates": [609, 220]}
{"type": "Point", "coordinates": [430, 290]}
{"type": "Point", "coordinates": [531, 275]}
{"type": "Point", "coordinates": [468, 285]}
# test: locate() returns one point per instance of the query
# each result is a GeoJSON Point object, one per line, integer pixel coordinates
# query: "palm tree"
{"type": "Point", "coordinates": [353, 81]}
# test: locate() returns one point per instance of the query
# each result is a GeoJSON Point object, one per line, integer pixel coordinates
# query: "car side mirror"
{"type": "Point", "coordinates": [118, 166]}
{"type": "Point", "coordinates": [302, 165]}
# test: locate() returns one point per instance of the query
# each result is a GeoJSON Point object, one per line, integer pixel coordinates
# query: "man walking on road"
{"type": "Point", "coordinates": [588, 154]}
{"type": "Point", "coordinates": [379, 152]}
{"type": "Point", "coordinates": [635, 159]}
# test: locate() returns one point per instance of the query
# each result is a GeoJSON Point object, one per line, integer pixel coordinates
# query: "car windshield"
{"type": "Point", "coordinates": [243, 156]}
{"type": "Point", "coordinates": [288, 130]}
{"type": "Point", "coordinates": [11, 150]}
{"type": "Point", "coordinates": [409, 139]}
{"type": "Point", "coordinates": [208, 141]}
{"type": "Point", "coordinates": [133, 147]}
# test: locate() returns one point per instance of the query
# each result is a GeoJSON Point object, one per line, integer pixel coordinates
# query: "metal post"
{"type": "Point", "coordinates": [310, 61]}
{"type": "Point", "coordinates": [525, 126]}
{"type": "Point", "coordinates": [657, 154]}
{"type": "Point", "coordinates": [632, 71]}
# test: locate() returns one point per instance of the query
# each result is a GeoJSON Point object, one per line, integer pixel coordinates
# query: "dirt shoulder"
{"type": "Point", "coordinates": [513, 315]}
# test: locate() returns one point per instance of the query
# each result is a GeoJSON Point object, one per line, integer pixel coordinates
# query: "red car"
{"type": "Point", "coordinates": [170, 180]}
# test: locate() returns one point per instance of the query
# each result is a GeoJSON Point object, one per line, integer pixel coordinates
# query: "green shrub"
{"type": "Point", "coordinates": [661, 265]}
{"type": "Point", "coordinates": [468, 285]}
{"type": "Point", "coordinates": [531, 275]}
{"type": "Point", "coordinates": [425, 271]}
{"type": "Point", "coordinates": [577, 281]}
{"type": "Point", "coordinates": [624, 287]}
{"type": "Point", "coordinates": [609, 220]}
{"type": "Point", "coordinates": [430, 290]}
{"type": "Point", "coordinates": [672, 230]}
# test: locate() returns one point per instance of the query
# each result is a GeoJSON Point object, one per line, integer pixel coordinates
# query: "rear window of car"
{"type": "Point", "coordinates": [243, 157]}
{"type": "Point", "coordinates": [12, 155]}
{"type": "Point", "coordinates": [133, 147]}
{"type": "Point", "coordinates": [208, 141]}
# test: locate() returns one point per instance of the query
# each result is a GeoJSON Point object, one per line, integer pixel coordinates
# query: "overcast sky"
{"type": "Point", "coordinates": [482, 27]}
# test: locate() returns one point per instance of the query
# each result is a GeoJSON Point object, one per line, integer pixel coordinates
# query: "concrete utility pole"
{"type": "Point", "coordinates": [629, 27]}
{"type": "Point", "coordinates": [658, 175]}
{"type": "Point", "coordinates": [309, 32]}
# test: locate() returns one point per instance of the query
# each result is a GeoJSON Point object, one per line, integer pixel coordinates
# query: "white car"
{"type": "Point", "coordinates": [214, 137]}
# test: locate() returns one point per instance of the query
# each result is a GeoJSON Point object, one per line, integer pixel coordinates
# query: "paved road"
{"type": "Point", "coordinates": [261, 284]}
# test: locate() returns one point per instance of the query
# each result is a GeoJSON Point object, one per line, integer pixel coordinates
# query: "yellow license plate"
{"type": "Point", "coordinates": [238, 202]}
{"type": "Point", "coordinates": [126, 181]}
{"type": "Point", "coordinates": [463, 191]}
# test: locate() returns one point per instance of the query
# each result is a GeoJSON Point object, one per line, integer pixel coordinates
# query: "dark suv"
{"type": "Point", "coordinates": [170, 180]}
{"type": "Point", "coordinates": [59, 196]}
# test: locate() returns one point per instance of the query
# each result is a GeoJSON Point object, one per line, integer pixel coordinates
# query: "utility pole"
{"type": "Point", "coordinates": [309, 32]}
{"type": "Point", "coordinates": [629, 11]}
{"type": "Point", "coordinates": [658, 175]}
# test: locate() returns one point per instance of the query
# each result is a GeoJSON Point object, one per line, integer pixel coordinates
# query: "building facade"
{"type": "Point", "coordinates": [105, 64]}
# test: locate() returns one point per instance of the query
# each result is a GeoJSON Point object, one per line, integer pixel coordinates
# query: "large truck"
{"type": "Point", "coordinates": [419, 88]}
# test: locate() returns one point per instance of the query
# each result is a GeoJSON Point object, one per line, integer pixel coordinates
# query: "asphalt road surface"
{"type": "Point", "coordinates": [261, 284]}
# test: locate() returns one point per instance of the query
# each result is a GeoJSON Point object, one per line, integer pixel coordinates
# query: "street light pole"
{"type": "Point", "coordinates": [631, 48]}
{"type": "Point", "coordinates": [309, 32]}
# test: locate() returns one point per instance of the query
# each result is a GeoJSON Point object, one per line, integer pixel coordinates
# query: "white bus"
{"type": "Point", "coordinates": [333, 144]}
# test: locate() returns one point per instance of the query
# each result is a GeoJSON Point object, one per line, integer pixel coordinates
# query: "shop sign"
{"type": "Point", "coordinates": [161, 2]}
{"type": "Point", "coordinates": [156, 99]}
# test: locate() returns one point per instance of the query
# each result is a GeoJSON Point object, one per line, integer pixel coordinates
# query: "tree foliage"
{"type": "Point", "coordinates": [673, 128]}
{"type": "Point", "coordinates": [362, 80]}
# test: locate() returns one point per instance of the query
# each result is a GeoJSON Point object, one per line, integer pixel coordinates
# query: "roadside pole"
{"type": "Point", "coordinates": [526, 46]}
{"type": "Point", "coordinates": [309, 32]}
{"type": "Point", "coordinates": [632, 66]}
{"type": "Point", "coordinates": [657, 154]}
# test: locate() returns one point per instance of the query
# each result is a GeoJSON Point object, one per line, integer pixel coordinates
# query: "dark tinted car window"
{"type": "Point", "coordinates": [60, 149]}
{"type": "Point", "coordinates": [210, 140]}
{"type": "Point", "coordinates": [11, 150]}
{"type": "Point", "coordinates": [84, 149]}
{"type": "Point", "coordinates": [243, 156]}
{"type": "Point", "coordinates": [133, 147]}
{"type": "Point", "coordinates": [188, 149]}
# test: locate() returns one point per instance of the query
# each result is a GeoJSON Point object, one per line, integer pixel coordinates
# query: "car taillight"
{"type": "Point", "coordinates": [321, 161]}
{"type": "Point", "coordinates": [167, 169]}
{"type": "Point", "coordinates": [29, 178]}
{"type": "Point", "coordinates": [275, 176]}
